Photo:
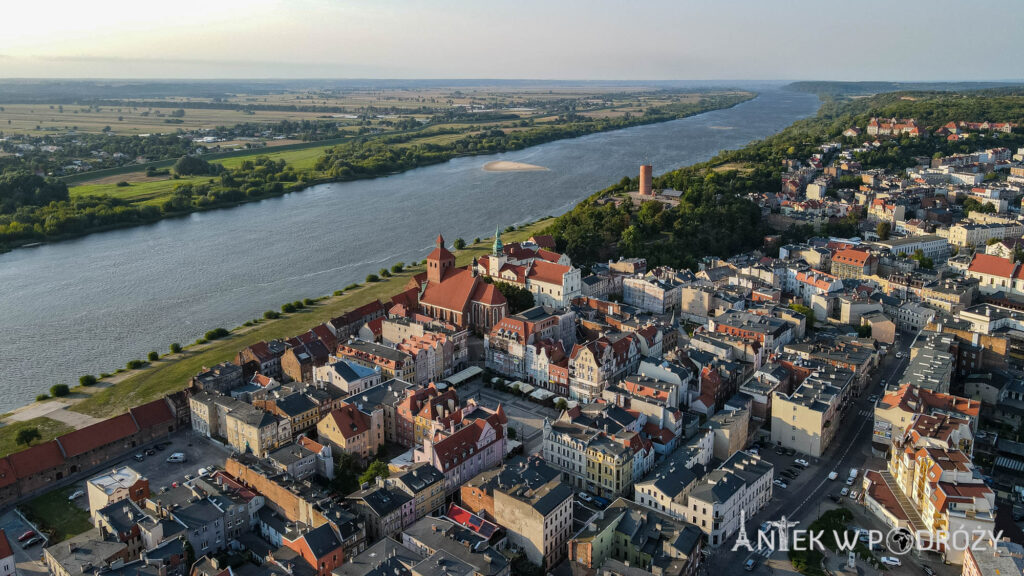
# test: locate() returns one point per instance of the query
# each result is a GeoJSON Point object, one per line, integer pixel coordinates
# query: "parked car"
{"type": "Point", "coordinates": [780, 450]}
{"type": "Point", "coordinates": [854, 494]}
{"type": "Point", "coordinates": [833, 475]}
{"type": "Point", "coordinates": [849, 481]}
{"type": "Point", "coordinates": [873, 398]}
{"type": "Point", "coordinates": [899, 355]}
{"type": "Point", "coordinates": [150, 452]}
{"type": "Point", "coordinates": [188, 477]}
{"type": "Point", "coordinates": [749, 564]}
{"type": "Point", "coordinates": [28, 534]}
{"type": "Point", "coordinates": [159, 447]}
{"type": "Point", "coordinates": [586, 497]}
{"type": "Point", "coordinates": [176, 457]}
{"type": "Point", "coordinates": [929, 571]}
{"type": "Point", "coordinates": [139, 457]}
{"type": "Point", "coordinates": [790, 452]}
{"type": "Point", "coordinates": [890, 561]}
{"type": "Point", "coordinates": [203, 472]}
{"type": "Point", "coordinates": [32, 541]}
{"type": "Point", "coordinates": [835, 498]}
{"type": "Point", "coordinates": [76, 495]}
{"type": "Point", "coordinates": [601, 502]}
{"type": "Point", "coordinates": [844, 491]}
{"type": "Point", "coordinates": [780, 483]}
{"type": "Point", "coordinates": [801, 462]}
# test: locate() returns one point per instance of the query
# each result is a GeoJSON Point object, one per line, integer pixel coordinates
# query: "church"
{"type": "Point", "coordinates": [548, 275]}
{"type": "Point", "coordinates": [457, 295]}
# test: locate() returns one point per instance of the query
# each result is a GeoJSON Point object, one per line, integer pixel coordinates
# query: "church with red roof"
{"type": "Point", "coordinates": [457, 295]}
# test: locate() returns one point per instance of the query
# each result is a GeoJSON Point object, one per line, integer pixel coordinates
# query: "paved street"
{"type": "Point", "coordinates": [806, 497]}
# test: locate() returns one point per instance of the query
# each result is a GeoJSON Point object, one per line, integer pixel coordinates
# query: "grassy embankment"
{"type": "Point", "coordinates": [48, 429]}
{"type": "Point", "coordinates": [172, 372]}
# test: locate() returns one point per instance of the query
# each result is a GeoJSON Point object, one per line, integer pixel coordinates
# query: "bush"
{"type": "Point", "coordinates": [459, 244]}
{"type": "Point", "coordinates": [384, 273]}
{"type": "Point", "coordinates": [476, 240]}
{"type": "Point", "coordinates": [372, 278]}
{"type": "Point", "coordinates": [288, 308]}
{"type": "Point", "coordinates": [42, 397]}
{"type": "Point", "coordinates": [134, 364]}
{"type": "Point", "coordinates": [122, 184]}
{"type": "Point", "coordinates": [59, 390]}
{"type": "Point", "coordinates": [271, 315]}
{"type": "Point", "coordinates": [298, 305]}
{"type": "Point", "coordinates": [201, 340]}
{"type": "Point", "coordinates": [87, 380]}
{"type": "Point", "coordinates": [105, 375]}
{"type": "Point", "coordinates": [352, 286]}
{"type": "Point", "coordinates": [216, 333]}
{"type": "Point", "coordinates": [153, 356]}
{"type": "Point", "coordinates": [339, 292]}
{"type": "Point", "coordinates": [308, 302]}
{"type": "Point", "coordinates": [397, 267]}
{"type": "Point", "coordinates": [175, 348]}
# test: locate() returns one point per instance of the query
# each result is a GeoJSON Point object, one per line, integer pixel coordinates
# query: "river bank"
{"type": "Point", "coordinates": [88, 305]}
{"type": "Point", "coordinates": [74, 220]}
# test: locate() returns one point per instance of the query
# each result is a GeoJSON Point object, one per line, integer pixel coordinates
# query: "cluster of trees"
{"type": "Point", "coordinates": [118, 150]}
{"type": "Point", "coordinates": [712, 218]}
{"type": "Point", "coordinates": [519, 299]}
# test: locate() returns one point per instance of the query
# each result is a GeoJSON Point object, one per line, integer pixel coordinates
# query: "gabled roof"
{"type": "Point", "coordinates": [152, 414]}
{"type": "Point", "coordinates": [548, 272]}
{"type": "Point", "coordinates": [454, 292]}
{"type": "Point", "coordinates": [350, 421]}
{"type": "Point", "coordinates": [97, 435]}
{"type": "Point", "coordinates": [992, 265]}
{"type": "Point", "coordinates": [36, 459]}
{"type": "Point", "coordinates": [458, 447]}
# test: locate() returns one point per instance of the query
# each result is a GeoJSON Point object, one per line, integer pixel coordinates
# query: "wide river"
{"type": "Point", "coordinates": [87, 306]}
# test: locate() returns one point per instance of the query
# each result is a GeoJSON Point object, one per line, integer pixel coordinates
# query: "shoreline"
{"type": "Point", "coordinates": [314, 180]}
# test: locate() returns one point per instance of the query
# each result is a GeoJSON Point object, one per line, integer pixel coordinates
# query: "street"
{"type": "Point", "coordinates": [806, 497]}
{"type": "Point", "coordinates": [525, 417]}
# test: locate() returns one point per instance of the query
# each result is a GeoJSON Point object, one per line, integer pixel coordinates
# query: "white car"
{"type": "Point", "coordinates": [203, 472]}
{"type": "Point", "coordinates": [76, 495]}
{"type": "Point", "coordinates": [849, 481]}
{"type": "Point", "coordinates": [780, 484]}
{"type": "Point", "coordinates": [586, 497]}
{"type": "Point", "coordinates": [176, 457]}
{"type": "Point", "coordinates": [853, 494]}
{"type": "Point", "coordinates": [833, 475]}
{"type": "Point", "coordinates": [890, 561]}
{"type": "Point", "coordinates": [801, 462]}
{"type": "Point", "coordinates": [844, 491]}
{"type": "Point", "coordinates": [899, 355]}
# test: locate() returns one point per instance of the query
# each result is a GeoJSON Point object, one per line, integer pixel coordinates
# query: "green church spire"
{"type": "Point", "coordinates": [497, 242]}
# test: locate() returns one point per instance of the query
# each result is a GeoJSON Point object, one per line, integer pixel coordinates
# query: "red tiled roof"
{"type": "Point", "coordinates": [449, 451]}
{"type": "Point", "coordinates": [454, 292]}
{"type": "Point", "coordinates": [36, 459]}
{"type": "Point", "coordinates": [407, 298]}
{"type": "Point", "coordinates": [549, 256]}
{"type": "Point", "coordinates": [350, 421]}
{"type": "Point", "coordinates": [548, 272]}
{"type": "Point", "coordinates": [5, 545]}
{"type": "Point", "coordinates": [311, 445]}
{"type": "Point", "coordinates": [850, 256]}
{"type": "Point", "coordinates": [440, 252]}
{"type": "Point", "coordinates": [97, 435]}
{"type": "Point", "coordinates": [376, 326]}
{"type": "Point", "coordinates": [488, 294]}
{"type": "Point", "coordinates": [7, 474]}
{"type": "Point", "coordinates": [152, 414]}
{"type": "Point", "coordinates": [544, 241]}
{"type": "Point", "coordinates": [992, 265]}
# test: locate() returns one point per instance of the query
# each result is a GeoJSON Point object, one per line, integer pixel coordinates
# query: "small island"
{"type": "Point", "coordinates": [507, 166]}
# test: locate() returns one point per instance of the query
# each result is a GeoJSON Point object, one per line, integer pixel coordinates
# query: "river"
{"type": "Point", "coordinates": [88, 305]}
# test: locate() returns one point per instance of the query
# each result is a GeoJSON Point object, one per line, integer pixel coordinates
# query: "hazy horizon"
{"type": "Point", "coordinates": [742, 40]}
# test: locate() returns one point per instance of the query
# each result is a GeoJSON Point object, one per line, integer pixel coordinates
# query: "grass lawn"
{"type": "Point", "coordinates": [301, 160]}
{"type": "Point", "coordinates": [165, 376]}
{"type": "Point", "coordinates": [48, 428]}
{"type": "Point", "coordinates": [53, 514]}
{"type": "Point", "coordinates": [137, 191]}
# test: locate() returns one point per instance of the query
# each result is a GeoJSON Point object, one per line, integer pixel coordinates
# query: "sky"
{"type": "Point", "coordinates": [898, 40]}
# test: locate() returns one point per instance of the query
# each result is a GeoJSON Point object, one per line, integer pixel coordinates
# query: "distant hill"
{"type": "Point", "coordinates": [845, 89]}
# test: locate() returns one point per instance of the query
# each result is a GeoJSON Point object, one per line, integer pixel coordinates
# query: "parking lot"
{"type": "Point", "coordinates": [199, 453]}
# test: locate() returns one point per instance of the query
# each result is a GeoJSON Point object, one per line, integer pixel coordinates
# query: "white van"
{"type": "Point", "coordinates": [176, 457]}
{"type": "Point", "coordinates": [854, 472]}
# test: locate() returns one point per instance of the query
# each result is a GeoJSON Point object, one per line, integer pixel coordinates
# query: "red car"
{"type": "Point", "coordinates": [26, 535]}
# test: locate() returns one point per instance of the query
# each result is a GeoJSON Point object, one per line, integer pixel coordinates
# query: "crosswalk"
{"type": "Point", "coordinates": [763, 552]}
{"type": "Point", "coordinates": [866, 412]}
